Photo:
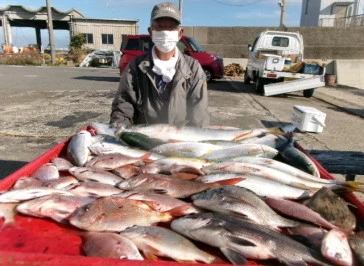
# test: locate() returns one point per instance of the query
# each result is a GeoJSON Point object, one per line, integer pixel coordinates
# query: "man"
{"type": "Point", "coordinates": [164, 85]}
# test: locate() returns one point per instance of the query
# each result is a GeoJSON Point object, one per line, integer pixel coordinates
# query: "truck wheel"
{"type": "Point", "coordinates": [259, 85]}
{"type": "Point", "coordinates": [308, 93]}
{"type": "Point", "coordinates": [246, 77]}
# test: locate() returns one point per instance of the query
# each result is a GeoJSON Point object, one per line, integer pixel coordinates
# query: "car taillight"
{"type": "Point", "coordinates": [271, 75]}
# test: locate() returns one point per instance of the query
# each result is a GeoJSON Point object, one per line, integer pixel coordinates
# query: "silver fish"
{"type": "Point", "coordinates": [233, 200]}
{"type": "Point", "coordinates": [94, 190]}
{"type": "Point", "coordinates": [56, 207]}
{"type": "Point", "coordinates": [159, 241]}
{"type": "Point", "coordinates": [97, 175]}
{"type": "Point", "coordinates": [19, 195]}
{"type": "Point", "coordinates": [240, 240]}
{"type": "Point", "coordinates": [356, 242]}
{"type": "Point", "coordinates": [109, 245]}
{"type": "Point", "coordinates": [46, 172]}
{"type": "Point", "coordinates": [258, 150]}
{"type": "Point", "coordinates": [335, 247]}
{"type": "Point", "coordinates": [77, 149]}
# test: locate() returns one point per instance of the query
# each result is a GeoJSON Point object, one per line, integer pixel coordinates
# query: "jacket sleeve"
{"type": "Point", "coordinates": [197, 100]}
{"type": "Point", "coordinates": [122, 108]}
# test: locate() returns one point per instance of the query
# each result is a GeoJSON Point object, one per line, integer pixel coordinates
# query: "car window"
{"type": "Point", "coordinates": [147, 44]}
{"type": "Point", "coordinates": [131, 44]}
{"type": "Point", "coordinates": [195, 46]}
{"type": "Point", "coordinates": [181, 46]}
{"type": "Point", "coordinates": [280, 41]}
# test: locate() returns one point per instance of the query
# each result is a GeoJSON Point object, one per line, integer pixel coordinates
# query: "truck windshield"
{"type": "Point", "coordinates": [196, 47]}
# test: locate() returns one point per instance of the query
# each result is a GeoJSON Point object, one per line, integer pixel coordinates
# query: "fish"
{"type": "Point", "coordinates": [46, 172]}
{"type": "Point", "coordinates": [165, 184]}
{"type": "Point", "coordinates": [333, 208]}
{"type": "Point", "coordinates": [113, 146]}
{"type": "Point", "coordinates": [139, 140]}
{"type": "Point", "coordinates": [7, 213]}
{"type": "Point", "coordinates": [356, 242]}
{"type": "Point", "coordinates": [167, 133]}
{"type": "Point", "coordinates": [96, 175]}
{"type": "Point", "coordinates": [127, 171]}
{"type": "Point", "coordinates": [263, 171]}
{"type": "Point", "coordinates": [272, 140]}
{"type": "Point", "coordinates": [94, 190]}
{"type": "Point", "coordinates": [62, 164]}
{"type": "Point", "coordinates": [240, 239]}
{"type": "Point", "coordinates": [310, 235]}
{"type": "Point", "coordinates": [106, 129]}
{"type": "Point", "coordinates": [335, 248]}
{"type": "Point", "coordinates": [63, 182]}
{"type": "Point", "coordinates": [19, 195]}
{"type": "Point", "coordinates": [115, 214]}
{"type": "Point", "coordinates": [27, 182]}
{"type": "Point", "coordinates": [56, 207]}
{"type": "Point", "coordinates": [299, 211]}
{"type": "Point", "coordinates": [261, 186]}
{"type": "Point", "coordinates": [112, 161]}
{"type": "Point", "coordinates": [185, 149]}
{"type": "Point", "coordinates": [299, 159]}
{"type": "Point", "coordinates": [109, 245]}
{"type": "Point", "coordinates": [156, 241]}
{"type": "Point", "coordinates": [241, 202]}
{"type": "Point", "coordinates": [77, 149]}
{"type": "Point", "coordinates": [258, 150]}
{"type": "Point", "coordinates": [172, 165]}
{"type": "Point", "coordinates": [161, 202]}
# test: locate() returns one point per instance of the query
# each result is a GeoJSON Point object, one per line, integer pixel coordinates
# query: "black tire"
{"type": "Point", "coordinates": [308, 93]}
{"type": "Point", "coordinates": [259, 85]}
{"type": "Point", "coordinates": [208, 74]}
{"type": "Point", "coordinates": [247, 79]}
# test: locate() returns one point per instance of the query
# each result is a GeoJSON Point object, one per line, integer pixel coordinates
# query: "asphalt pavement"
{"type": "Point", "coordinates": [17, 137]}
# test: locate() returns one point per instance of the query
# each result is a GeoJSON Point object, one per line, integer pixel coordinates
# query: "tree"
{"type": "Point", "coordinates": [77, 41]}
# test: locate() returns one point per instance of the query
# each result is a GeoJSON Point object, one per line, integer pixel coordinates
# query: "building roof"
{"type": "Point", "coordinates": [21, 9]}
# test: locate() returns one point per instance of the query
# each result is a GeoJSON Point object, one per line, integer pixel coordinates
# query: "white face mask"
{"type": "Point", "coordinates": [165, 40]}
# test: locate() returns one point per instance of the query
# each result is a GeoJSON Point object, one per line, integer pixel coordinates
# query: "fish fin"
{"type": "Point", "coordinates": [243, 135]}
{"type": "Point", "coordinates": [180, 210]}
{"type": "Point", "coordinates": [355, 186]}
{"type": "Point", "coordinates": [150, 256]}
{"type": "Point", "coordinates": [233, 256]}
{"type": "Point", "coordinates": [227, 182]}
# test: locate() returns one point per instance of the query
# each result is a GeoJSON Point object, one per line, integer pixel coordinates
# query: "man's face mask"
{"type": "Point", "coordinates": [165, 40]}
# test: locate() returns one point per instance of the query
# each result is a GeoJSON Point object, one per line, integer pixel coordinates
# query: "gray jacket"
{"type": "Point", "coordinates": [138, 102]}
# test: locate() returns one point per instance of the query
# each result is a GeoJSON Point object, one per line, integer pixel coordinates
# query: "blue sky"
{"type": "Point", "coordinates": [194, 13]}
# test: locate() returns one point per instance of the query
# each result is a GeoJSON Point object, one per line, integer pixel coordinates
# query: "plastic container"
{"type": "Point", "coordinates": [275, 63]}
{"type": "Point", "coordinates": [309, 119]}
{"type": "Point", "coordinates": [38, 241]}
{"type": "Point", "coordinates": [313, 69]}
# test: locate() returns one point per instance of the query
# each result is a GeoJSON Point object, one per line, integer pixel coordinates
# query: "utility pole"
{"type": "Point", "coordinates": [180, 8]}
{"type": "Point", "coordinates": [50, 32]}
{"type": "Point", "coordinates": [282, 4]}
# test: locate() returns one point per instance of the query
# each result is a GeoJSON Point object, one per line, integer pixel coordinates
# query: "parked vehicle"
{"type": "Point", "coordinates": [276, 65]}
{"type": "Point", "coordinates": [135, 45]}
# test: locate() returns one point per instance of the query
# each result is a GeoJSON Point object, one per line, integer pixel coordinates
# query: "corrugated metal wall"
{"type": "Point", "coordinates": [96, 28]}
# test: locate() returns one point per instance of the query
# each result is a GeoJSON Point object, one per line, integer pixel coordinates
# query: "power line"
{"type": "Point", "coordinates": [253, 2]}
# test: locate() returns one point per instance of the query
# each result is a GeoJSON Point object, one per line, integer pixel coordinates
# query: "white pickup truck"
{"type": "Point", "coordinates": [276, 65]}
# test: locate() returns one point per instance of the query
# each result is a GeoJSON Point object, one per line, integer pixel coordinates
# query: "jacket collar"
{"type": "Point", "coordinates": [183, 70]}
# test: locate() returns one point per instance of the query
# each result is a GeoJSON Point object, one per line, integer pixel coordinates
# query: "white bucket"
{"type": "Point", "coordinates": [308, 119]}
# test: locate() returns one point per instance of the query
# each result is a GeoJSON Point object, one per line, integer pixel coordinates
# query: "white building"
{"type": "Point", "coordinates": [332, 13]}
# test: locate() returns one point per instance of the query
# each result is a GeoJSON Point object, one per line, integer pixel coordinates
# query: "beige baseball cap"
{"type": "Point", "coordinates": [166, 9]}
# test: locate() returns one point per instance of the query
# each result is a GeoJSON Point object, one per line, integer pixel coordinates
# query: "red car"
{"type": "Point", "coordinates": [135, 45]}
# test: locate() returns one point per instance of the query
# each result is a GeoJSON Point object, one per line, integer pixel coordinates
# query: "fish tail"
{"type": "Point", "coordinates": [228, 182]}
{"type": "Point", "coordinates": [179, 211]}
{"type": "Point", "coordinates": [354, 186]}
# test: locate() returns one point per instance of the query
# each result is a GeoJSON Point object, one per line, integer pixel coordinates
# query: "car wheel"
{"type": "Point", "coordinates": [246, 77]}
{"type": "Point", "coordinates": [208, 75]}
{"type": "Point", "coordinates": [259, 85]}
{"type": "Point", "coordinates": [308, 93]}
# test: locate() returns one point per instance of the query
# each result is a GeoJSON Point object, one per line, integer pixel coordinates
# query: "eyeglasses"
{"type": "Point", "coordinates": [165, 27]}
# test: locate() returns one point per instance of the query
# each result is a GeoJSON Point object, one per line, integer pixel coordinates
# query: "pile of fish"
{"type": "Point", "coordinates": [159, 191]}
